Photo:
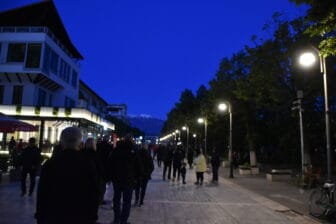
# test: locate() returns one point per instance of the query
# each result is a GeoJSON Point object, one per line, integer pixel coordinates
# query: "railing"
{"type": "Point", "coordinates": [37, 29]}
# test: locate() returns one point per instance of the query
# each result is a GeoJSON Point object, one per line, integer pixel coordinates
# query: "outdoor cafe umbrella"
{"type": "Point", "coordinates": [9, 125]}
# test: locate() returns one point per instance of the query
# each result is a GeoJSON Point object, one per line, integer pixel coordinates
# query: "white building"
{"type": "Point", "coordinates": [117, 110]}
{"type": "Point", "coordinates": [39, 75]}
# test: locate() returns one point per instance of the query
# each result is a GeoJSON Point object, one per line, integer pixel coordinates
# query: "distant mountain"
{"type": "Point", "coordinates": [148, 124]}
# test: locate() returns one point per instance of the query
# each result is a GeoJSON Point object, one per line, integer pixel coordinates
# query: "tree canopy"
{"type": "Point", "coordinates": [321, 18]}
{"type": "Point", "coordinates": [261, 82]}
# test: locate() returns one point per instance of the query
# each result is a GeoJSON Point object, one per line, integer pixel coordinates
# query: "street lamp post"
{"type": "Point", "coordinates": [201, 121]}
{"type": "Point", "coordinates": [308, 59]}
{"type": "Point", "coordinates": [186, 128]}
{"type": "Point", "coordinates": [194, 136]}
{"type": "Point", "coordinates": [224, 107]}
{"type": "Point", "coordinates": [178, 135]}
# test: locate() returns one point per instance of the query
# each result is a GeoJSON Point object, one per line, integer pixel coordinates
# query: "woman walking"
{"type": "Point", "coordinates": [201, 167]}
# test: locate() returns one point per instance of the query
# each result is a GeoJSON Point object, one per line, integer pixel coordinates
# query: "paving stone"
{"type": "Point", "coordinates": [169, 202]}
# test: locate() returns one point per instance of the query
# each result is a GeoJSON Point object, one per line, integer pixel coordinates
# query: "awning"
{"type": "Point", "coordinates": [9, 124]}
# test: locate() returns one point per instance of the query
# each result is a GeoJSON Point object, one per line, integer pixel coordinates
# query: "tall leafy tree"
{"type": "Point", "coordinates": [260, 82]}
{"type": "Point", "coordinates": [321, 18]}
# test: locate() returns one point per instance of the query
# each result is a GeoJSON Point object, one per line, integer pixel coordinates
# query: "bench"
{"type": "Point", "coordinates": [279, 175]}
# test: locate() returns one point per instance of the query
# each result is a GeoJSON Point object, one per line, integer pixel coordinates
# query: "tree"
{"type": "Point", "coordinates": [321, 18]}
{"type": "Point", "coordinates": [261, 82]}
{"type": "Point", "coordinates": [182, 114]}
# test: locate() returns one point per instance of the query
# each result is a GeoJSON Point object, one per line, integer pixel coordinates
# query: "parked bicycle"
{"type": "Point", "coordinates": [322, 201]}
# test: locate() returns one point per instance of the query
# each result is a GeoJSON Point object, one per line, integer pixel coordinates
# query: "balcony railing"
{"type": "Point", "coordinates": [37, 29]}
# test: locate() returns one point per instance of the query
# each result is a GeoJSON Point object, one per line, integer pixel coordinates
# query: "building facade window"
{"type": "Point", "coordinates": [94, 102]}
{"type": "Point", "coordinates": [41, 99]}
{"type": "Point", "coordinates": [2, 91]}
{"type": "Point", "coordinates": [17, 95]}
{"type": "Point", "coordinates": [46, 59]}
{"type": "Point", "coordinates": [33, 55]}
{"type": "Point", "coordinates": [50, 100]}
{"type": "Point", "coordinates": [68, 102]}
{"type": "Point", "coordinates": [16, 52]}
{"type": "Point", "coordinates": [74, 79]}
{"type": "Point", "coordinates": [65, 71]}
{"type": "Point", "coordinates": [54, 62]}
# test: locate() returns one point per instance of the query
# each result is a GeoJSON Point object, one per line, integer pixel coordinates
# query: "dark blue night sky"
{"type": "Point", "coordinates": [144, 53]}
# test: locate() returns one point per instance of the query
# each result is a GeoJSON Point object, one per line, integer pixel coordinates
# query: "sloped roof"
{"type": "Point", "coordinates": [40, 14]}
{"type": "Point", "coordinates": [84, 85]}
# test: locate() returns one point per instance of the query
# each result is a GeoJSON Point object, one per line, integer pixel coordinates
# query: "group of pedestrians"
{"type": "Point", "coordinates": [72, 182]}
{"type": "Point", "coordinates": [175, 155]}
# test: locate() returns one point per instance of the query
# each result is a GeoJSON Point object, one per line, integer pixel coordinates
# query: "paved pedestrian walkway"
{"type": "Point", "coordinates": [171, 202]}
{"type": "Point", "coordinates": [284, 192]}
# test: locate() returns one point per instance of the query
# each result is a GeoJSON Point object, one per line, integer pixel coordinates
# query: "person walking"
{"type": "Point", "coordinates": [200, 163]}
{"type": "Point", "coordinates": [183, 172]}
{"type": "Point", "coordinates": [11, 149]}
{"type": "Point", "coordinates": [167, 156]}
{"type": "Point", "coordinates": [147, 166]}
{"type": "Point", "coordinates": [124, 169]}
{"type": "Point", "coordinates": [90, 152]}
{"type": "Point", "coordinates": [30, 159]}
{"type": "Point", "coordinates": [177, 163]}
{"type": "Point", "coordinates": [159, 155]}
{"type": "Point", "coordinates": [104, 149]}
{"type": "Point", "coordinates": [190, 157]}
{"type": "Point", "coordinates": [215, 163]}
{"type": "Point", "coordinates": [56, 149]}
{"type": "Point", "coordinates": [68, 186]}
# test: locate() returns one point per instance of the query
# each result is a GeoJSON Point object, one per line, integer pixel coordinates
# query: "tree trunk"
{"type": "Point", "coordinates": [253, 156]}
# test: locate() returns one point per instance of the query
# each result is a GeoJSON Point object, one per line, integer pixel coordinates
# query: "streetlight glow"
{"type": "Point", "coordinates": [184, 128]}
{"type": "Point", "coordinates": [307, 59]}
{"type": "Point", "coordinates": [222, 106]}
{"type": "Point", "coordinates": [194, 135]}
{"type": "Point", "coordinates": [200, 120]}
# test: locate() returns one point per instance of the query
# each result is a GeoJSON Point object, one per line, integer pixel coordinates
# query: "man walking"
{"type": "Point", "coordinates": [30, 162]}
{"type": "Point", "coordinates": [147, 166]}
{"type": "Point", "coordinates": [125, 170]}
{"type": "Point", "coordinates": [68, 187]}
{"type": "Point", "coordinates": [104, 148]}
{"type": "Point", "coordinates": [167, 156]}
{"type": "Point", "coordinates": [215, 164]}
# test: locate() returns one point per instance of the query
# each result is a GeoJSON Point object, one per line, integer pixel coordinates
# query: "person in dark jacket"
{"type": "Point", "coordinates": [30, 159]}
{"type": "Point", "coordinates": [147, 167]}
{"type": "Point", "coordinates": [90, 152]}
{"type": "Point", "coordinates": [167, 157]}
{"type": "Point", "coordinates": [183, 172]}
{"type": "Point", "coordinates": [190, 157]}
{"type": "Point", "coordinates": [11, 149]}
{"type": "Point", "coordinates": [177, 163]}
{"type": "Point", "coordinates": [57, 148]}
{"type": "Point", "coordinates": [159, 155]}
{"type": "Point", "coordinates": [68, 186]}
{"type": "Point", "coordinates": [104, 149]}
{"type": "Point", "coordinates": [215, 164]}
{"type": "Point", "coordinates": [124, 168]}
